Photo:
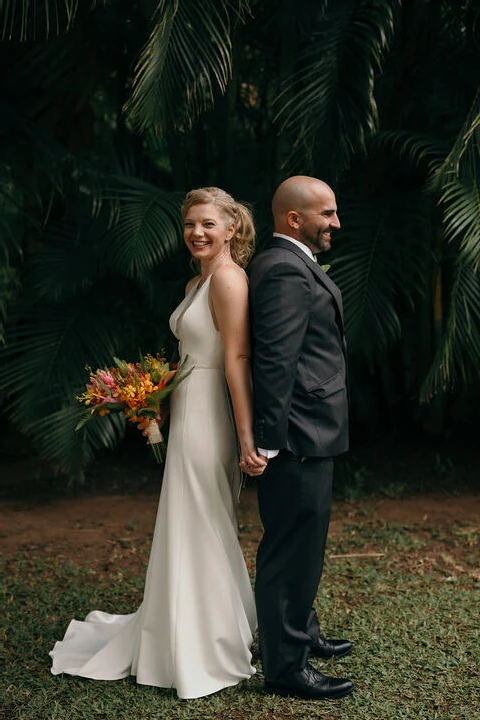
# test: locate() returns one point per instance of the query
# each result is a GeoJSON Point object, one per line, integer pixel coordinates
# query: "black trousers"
{"type": "Point", "coordinates": [294, 499]}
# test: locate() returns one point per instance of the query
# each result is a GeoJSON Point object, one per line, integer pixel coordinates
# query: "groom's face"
{"type": "Point", "coordinates": [318, 220]}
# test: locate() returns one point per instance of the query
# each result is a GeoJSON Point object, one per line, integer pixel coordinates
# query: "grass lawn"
{"type": "Point", "coordinates": [405, 593]}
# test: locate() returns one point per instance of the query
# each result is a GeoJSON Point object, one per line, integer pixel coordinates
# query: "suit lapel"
{"type": "Point", "coordinates": [320, 274]}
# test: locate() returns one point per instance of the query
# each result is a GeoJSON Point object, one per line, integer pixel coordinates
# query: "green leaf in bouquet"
{"type": "Point", "coordinates": [122, 366]}
{"type": "Point", "coordinates": [161, 393]}
{"type": "Point", "coordinates": [142, 412]}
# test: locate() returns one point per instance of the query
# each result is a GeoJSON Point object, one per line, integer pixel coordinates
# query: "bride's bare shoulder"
{"type": "Point", "coordinates": [229, 273]}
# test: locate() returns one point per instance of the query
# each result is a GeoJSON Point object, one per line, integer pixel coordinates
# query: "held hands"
{"type": "Point", "coordinates": [252, 463]}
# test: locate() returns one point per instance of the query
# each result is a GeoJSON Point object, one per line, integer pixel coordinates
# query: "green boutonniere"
{"type": "Point", "coordinates": [325, 268]}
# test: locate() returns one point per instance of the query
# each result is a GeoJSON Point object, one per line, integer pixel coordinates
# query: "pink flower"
{"type": "Point", "coordinates": [106, 377]}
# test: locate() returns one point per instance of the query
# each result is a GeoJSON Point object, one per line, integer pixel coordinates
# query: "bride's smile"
{"type": "Point", "coordinates": [207, 233]}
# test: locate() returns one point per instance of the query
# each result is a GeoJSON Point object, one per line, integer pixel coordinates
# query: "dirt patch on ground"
{"type": "Point", "coordinates": [416, 511]}
{"type": "Point", "coordinates": [109, 527]}
{"type": "Point", "coordinates": [109, 531]}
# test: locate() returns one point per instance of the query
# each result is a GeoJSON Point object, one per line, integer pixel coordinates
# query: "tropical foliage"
{"type": "Point", "coordinates": [112, 110]}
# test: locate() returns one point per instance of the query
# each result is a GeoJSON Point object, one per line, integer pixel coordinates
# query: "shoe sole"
{"type": "Point", "coordinates": [286, 692]}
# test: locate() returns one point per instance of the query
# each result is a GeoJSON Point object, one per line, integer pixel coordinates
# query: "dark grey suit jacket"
{"type": "Point", "coordinates": [299, 364]}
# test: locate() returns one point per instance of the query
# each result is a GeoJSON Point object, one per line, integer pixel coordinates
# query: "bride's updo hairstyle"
{"type": "Point", "coordinates": [242, 244]}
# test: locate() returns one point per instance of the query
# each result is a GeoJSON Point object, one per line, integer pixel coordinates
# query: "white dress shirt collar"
{"type": "Point", "coordinates": [301, 245]}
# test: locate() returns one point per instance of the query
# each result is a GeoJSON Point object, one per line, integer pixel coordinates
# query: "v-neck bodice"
{"type": "Point", "coordinates": [192, 323]}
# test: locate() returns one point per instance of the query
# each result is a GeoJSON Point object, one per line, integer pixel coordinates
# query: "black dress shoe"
{"type": "Point", "coordinates": [326, 649]}
{"type": "Point", "coordinates": [309, 684]}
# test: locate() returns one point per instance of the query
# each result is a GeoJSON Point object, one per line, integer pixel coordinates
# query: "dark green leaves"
{"type": "Point", "coordinates": [187, 59]}
{"type": "Point", "coordinates": [31, 19]}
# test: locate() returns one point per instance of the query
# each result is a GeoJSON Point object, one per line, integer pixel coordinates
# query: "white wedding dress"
{"type": "Point", "coordinates": [193, 630]}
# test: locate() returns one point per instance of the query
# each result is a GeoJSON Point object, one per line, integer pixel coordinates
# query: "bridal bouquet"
{"type": "Point", "coordinates": [135, 389]}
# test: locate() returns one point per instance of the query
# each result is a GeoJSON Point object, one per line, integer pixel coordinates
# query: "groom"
{"type": "Point", "coordinates": [299, 373]}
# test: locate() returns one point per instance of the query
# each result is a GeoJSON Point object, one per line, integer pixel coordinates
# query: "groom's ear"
{"type": "Point", "coordinates": [293, 219]}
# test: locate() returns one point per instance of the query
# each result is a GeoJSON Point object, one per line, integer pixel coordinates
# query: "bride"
{"type": "Point", "coordinates": [193, 630]}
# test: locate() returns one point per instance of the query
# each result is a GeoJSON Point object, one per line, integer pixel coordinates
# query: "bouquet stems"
{"type": "Point", "coordinates": [155, 440]}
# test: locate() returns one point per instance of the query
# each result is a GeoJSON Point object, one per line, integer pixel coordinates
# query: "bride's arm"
{"type": "Point", "coordinates": [229, 305]}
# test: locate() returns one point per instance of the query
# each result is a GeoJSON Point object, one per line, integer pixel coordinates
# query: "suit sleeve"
{"type": "Point", "coordinates": [280, 313]}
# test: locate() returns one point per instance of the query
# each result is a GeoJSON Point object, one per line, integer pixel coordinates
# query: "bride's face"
{"type": "Point", "coordinates": [206, 231]}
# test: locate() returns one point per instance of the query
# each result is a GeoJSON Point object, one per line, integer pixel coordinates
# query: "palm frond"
{"type": "Point", "coordinates": [135, 228]}
{"type": "Point", "coordinates": [44, 368]}
{"type": "Point", "coordinates": [380, 265]}
{"type": "Point", "coordinates": [29, 21]}
{"type": "Point", "coordinates": [366, 276]}
{"type": "Point", "coordinates": [148, 228]}
{"type": "Point", "coordinates": [457, 181]}
{"type": "Point", "coordinates": [462, 218]}
{"type": "Point", "coordinates": [463, 158]}
{"type": "Point", "coordinates": [67, 261]}
{"type": "Point", "coordinates": [186, 60]}
{"type": "Point", "coordinates": [332, 92]}
{"type": "Point", "coordinates": [69, 450]}
{"type": "Point", "coordinates": [50, 349]}
{"type": "Point", "coordinates": [416, 147]}
{"type": "Point", "coordinates": [24, 21]}
{"type": "Point", "coordinates": [458, 357]}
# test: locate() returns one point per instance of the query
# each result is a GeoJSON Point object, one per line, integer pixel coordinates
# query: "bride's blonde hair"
{"type": "Point", "coordinates": [242, 244]}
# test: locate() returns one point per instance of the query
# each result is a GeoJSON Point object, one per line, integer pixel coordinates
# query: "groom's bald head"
{"type": "Point", "coordinates": [304, 208]}
{"type": "Point", "coordinates": [297, 193]}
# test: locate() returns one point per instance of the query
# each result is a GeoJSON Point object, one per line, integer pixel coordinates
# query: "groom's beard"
{"type": "Point", "coordinates": [320, 242]}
